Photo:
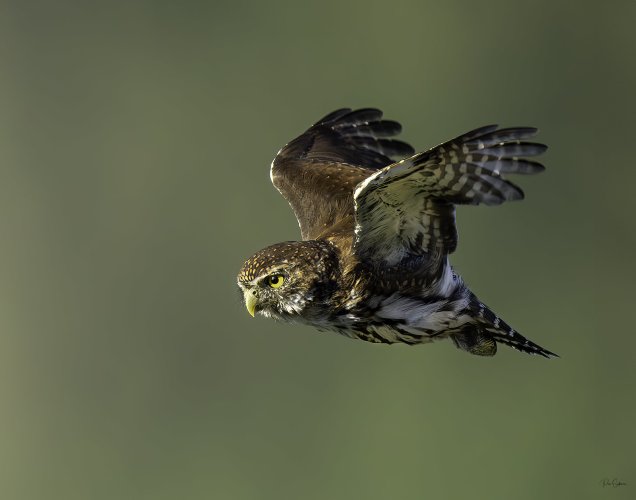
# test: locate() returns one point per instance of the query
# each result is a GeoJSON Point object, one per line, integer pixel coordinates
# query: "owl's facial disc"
{"type": "Point", "coordinates": [258, 287]}
{"type": "Point", "coordinates": [263, 293]}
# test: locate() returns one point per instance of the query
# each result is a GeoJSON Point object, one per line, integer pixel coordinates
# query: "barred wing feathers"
{"type": "Point", "coordinates": [408, 208]}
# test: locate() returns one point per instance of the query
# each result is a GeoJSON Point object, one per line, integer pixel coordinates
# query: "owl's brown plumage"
{"type": "Point", "coordinates": [378, 223]}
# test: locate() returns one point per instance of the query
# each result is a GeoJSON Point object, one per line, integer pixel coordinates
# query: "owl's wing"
{"type": "Point", "coordinates": [405, 212]}
{"type": "Point", "coordinates": [318, 171]}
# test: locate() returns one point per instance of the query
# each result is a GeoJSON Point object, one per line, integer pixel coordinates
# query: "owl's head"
{"type": "Point", "coordinates": [286, 279]}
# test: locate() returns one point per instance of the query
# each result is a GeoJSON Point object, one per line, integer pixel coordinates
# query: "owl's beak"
{"type": "Point", "coordinates": [250, 301]}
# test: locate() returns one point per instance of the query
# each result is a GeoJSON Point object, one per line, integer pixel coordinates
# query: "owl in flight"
{"type": "Point", "coordinates": [377, 223]}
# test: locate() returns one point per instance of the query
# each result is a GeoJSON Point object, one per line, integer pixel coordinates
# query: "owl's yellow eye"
{"type": "Point", "coordinates": [275, 280]}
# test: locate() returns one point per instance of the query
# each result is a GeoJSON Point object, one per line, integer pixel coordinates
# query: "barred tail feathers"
{"type": "Point", "coordinates": [502, 333]}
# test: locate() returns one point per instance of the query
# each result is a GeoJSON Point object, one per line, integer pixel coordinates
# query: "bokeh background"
{"type": "Point", "coordinates": [136, 139]}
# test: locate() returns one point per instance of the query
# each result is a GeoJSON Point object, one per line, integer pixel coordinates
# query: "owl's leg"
{"type": "Point", "coordinates": [475, 341]}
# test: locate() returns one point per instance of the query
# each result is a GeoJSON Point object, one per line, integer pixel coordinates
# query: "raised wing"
{"type": "Point", "coordinates": [318, 171]}
{"type": "Point", "coordinates": [407, 210]}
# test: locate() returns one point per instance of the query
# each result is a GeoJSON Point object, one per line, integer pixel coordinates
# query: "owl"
{"type": "Point", "coordinates": [377, 222]}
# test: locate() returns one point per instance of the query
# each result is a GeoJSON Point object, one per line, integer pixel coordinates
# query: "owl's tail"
{"type": "Point", "coordinates": [481, 336]}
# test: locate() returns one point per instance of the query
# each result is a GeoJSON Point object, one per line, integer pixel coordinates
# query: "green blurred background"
{"type": "Point", "coordinates": [136, 139]}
